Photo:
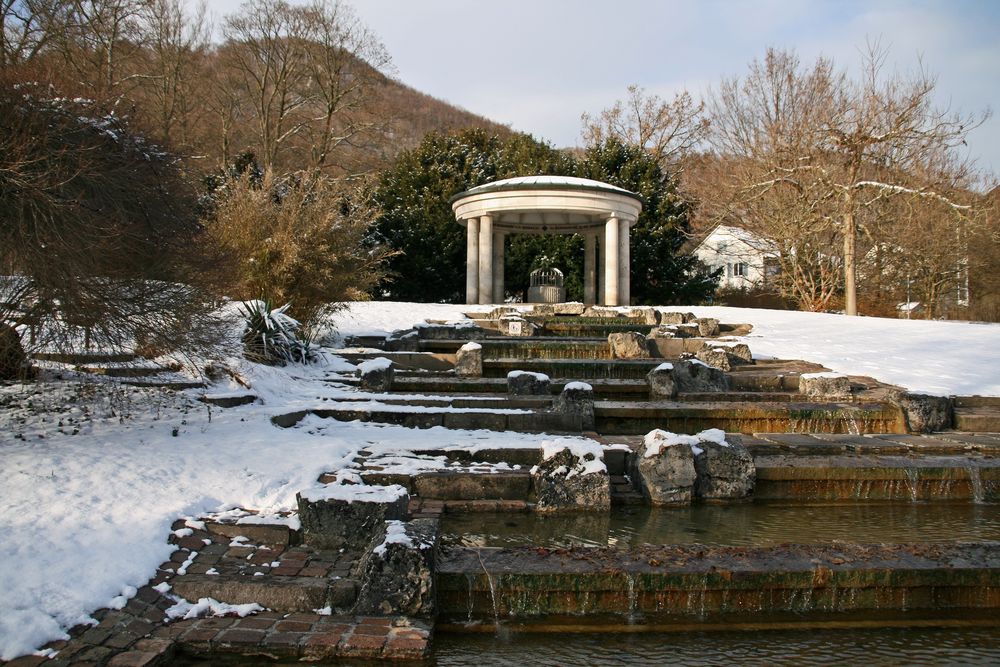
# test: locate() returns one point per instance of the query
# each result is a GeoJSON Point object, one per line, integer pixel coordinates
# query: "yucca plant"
{"type": "Point", "coordinates": [272, 336]}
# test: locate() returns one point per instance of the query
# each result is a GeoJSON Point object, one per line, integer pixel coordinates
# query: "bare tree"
{"type": "Point", "coordinates": [95, 227]}
{"type": "Point", "coordinates": [668, 130]}
{"type": "Point", "coordinates": [173, 59]}
{"type": "Point", "coordinates": [267, 50]}
{"type": "Point", "coordinates": [28, 28]}
{"type": "Point", "coordinates": [345, 64]}
{"type": "Point", "coordinates": [842, 145]}
{"type": "Point", "coordinates": [764, 129]}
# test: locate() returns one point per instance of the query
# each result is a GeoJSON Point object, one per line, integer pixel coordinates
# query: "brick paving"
{"type": "Point", "coordinates": [141, 635]}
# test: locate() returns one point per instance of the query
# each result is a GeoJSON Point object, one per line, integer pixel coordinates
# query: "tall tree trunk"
{"type": "Point", "coordinates": [850, 265]}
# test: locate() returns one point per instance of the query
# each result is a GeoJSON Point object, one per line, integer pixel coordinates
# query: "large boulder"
{"type": "Point", "coordinates": [661, 381]}
{"type": "Point", "coordinates": [628, 345]}
{"type": "Point", "coordinates": [469, 360]}
{"type": "Point", "coordinates": [348, 516]}
{"type": "Point", "coordinates": [577, 398]}
{"type": "Point", "coordinates": [664, 471]}
{"type": "Point", "coordinates": [571, 477]}
{"type": "Point", "coordinates": [925, 413]}
{"type": "Point", "coordinates": [695, 376]}
{"type": "Point", "coordinates": [526, 383]}
{"type": "Point", "coordinates": [826, 385]}
{"type": "Point", "coordinates": [376, 375]}
{"type": "Point", "coordinates": [398, 573]}
{"type": "Point", "coordinates": [725, 468]}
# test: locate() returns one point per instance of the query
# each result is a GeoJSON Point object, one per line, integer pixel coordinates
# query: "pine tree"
{"type": "Point", "coordinates": [661, 273]}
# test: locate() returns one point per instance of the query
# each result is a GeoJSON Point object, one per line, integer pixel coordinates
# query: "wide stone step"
{"type": "Point", "coordinates": [621, 369]}
{"type": "Point", "coordinates": [125, 370]}
{"type": "Point", "coordinates": [700, 584]}
{"type": "Point", "coordinates": [451, 384]}
{"type": "Point", "coordinates": [82, 358]}
{"type": "Point", "coordinates": [977, 402]}
{"type": "Point", "coordinates": [616, 417]}
{"type": "Point", "coordinates": [524, 421]}
{"type": "Point", "coordinates": [866, 478]}
{"type": "Point", "coordinates": [977, 419]}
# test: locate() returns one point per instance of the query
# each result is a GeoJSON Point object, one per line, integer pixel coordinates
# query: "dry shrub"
{"type": "Point", "coordinates": [295, 240]}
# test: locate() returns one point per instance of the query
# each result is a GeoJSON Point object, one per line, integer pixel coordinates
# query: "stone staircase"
{"type": "Point", "coordinates": [125, 368]}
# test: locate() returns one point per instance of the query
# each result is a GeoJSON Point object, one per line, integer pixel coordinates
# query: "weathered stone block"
{"type": "Point", "coordinates": [628, 345]}
{"type": "Point", "coordinates": [469, 360]}
{"type": "Point", "coordinates": [739, 352]}
{"type": "Point", "coordinates": [925, 413]}
{"type": "Point", "coordinates": [456, 331]}
{"type": "Point", "coordinates": [648, 314]}
{"type": "Point", "coordinates": [724, 471]}
{"type": "Point", "coordinates": [664, 470]}
{"type": "Point", "coordinates": [602, 311]}
{"type": "Point", "coordinates": [276, 593]}
{"type": "Point", "coordinates": [398, 573]}
{"type": "Point", "coordinates": [574, 308]}
{"type": "Point", "coordinates": [403, 341]}
{"type": "Point", "coordinates": [825, 385]}
{"type": "Point", "coordinates": [338, 516]}
{"type": "Point", "coordinates": [661, 381]}
{"type": "Point", "coordinates": [526, 383]}
{"type": "Point", "coordinates": [707, 326]}
{"type": "Point", "coordinates": [577, 398]}
{"type": "Point", "coordinates": [501, 311]}
{"type": "Point", "coordinates": [515, 325]}
{"type": "Point", "coordinates": [376, 375]}
{"type": "Point", "coordinates": [714, 357]}
{"type": "Point", "coordinates": [694, 376]}
{"type": "Point", "coordinates": [676, 318]}
{"type": "Point", "coordinates": [662, 331]}
{"type": "Point", "coordinates": [567, 481]}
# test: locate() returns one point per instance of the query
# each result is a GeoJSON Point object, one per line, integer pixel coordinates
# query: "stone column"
{"type": "Point", "coordinates": [498, 267]}
{"type": "Point", "coordinates": [472, 260]}
{"type": "Point", "coordinates": [485, 259]}
{"type": "Point", "coordinates": [624, 261]}
{"type": "Point", "coordinates": [611, 249]}
{"type": "Point", "coordinates": [589, 268]}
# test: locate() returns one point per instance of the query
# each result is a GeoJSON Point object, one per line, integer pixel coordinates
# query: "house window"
{"type": "Point", "coordinates": [740, 269]}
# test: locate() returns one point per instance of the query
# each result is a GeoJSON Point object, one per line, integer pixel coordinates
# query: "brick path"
{"type": "Point", "coordinates": [141, 635]}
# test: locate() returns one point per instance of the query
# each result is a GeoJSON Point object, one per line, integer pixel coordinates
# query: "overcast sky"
{"type": "Point", "coordinates": [538, 64]}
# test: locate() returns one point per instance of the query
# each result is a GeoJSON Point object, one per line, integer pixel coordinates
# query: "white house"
{"type": "Point", "coordinates": [743, 256]}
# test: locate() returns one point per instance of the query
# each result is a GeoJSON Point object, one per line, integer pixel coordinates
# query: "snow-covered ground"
{"type": "Point", "coordinates": [84, 516]}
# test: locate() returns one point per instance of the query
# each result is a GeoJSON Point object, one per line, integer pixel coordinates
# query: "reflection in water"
{"type": "Point", "coordinates": [748, 524]}
{"type": "Point", "coordinates": [894, 646]}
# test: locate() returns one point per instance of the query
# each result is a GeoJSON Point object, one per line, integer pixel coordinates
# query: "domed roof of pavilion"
{"type": "Point", "coordinates": [545, 183]}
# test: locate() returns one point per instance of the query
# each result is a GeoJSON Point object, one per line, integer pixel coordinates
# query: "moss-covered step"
{"type": "Point", "coordinates": [693, 582]}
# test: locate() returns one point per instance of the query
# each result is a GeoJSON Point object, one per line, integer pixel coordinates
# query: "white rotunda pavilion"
{"type": "Point", "coordinates": [600, 212]}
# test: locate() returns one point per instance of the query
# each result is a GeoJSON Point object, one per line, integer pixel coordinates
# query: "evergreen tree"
{"type": "Point", "coordinates": [661, 275]}
{"type": "Point", "coordinates": [417, 219]}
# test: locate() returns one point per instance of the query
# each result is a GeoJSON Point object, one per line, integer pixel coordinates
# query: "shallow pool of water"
{"type": "Point", "coordinates": [894, 646]}
{"type": "Point", "coordinates": [748, 524]}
